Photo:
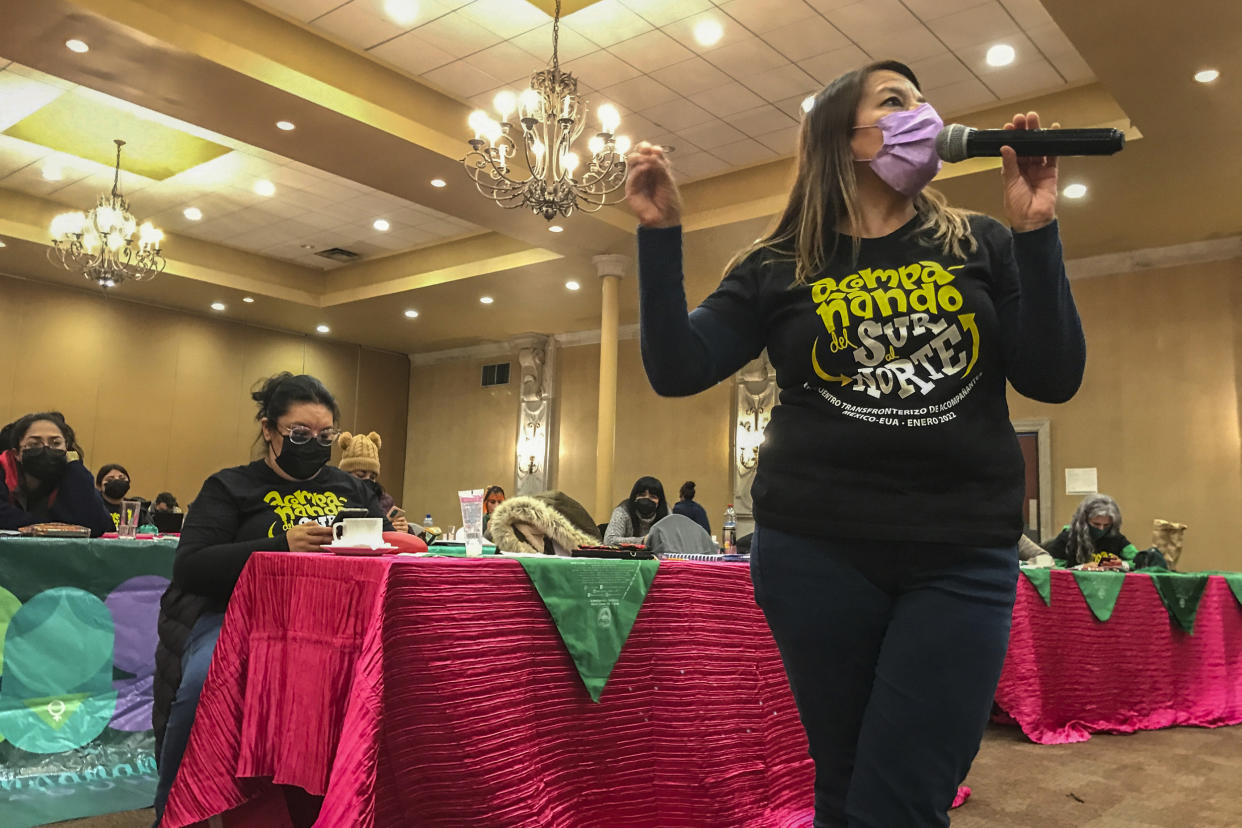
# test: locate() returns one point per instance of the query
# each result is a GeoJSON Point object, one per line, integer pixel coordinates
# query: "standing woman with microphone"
{"type": "Point", "coordinates": [893, 322]}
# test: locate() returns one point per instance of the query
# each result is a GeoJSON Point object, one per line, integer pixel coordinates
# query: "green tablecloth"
{"type": "Point", "coordinates": [77, 622]}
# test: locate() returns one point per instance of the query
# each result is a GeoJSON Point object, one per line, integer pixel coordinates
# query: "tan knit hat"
{"type": "Point", "coordinates": [360, 452]}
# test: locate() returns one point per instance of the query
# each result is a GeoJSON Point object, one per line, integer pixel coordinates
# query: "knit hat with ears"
{"type": "Point", "coordinates": [360, 452]}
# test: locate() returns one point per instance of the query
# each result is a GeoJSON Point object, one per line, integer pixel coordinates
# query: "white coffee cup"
{"type": "Point", "coordinates": [359, 532]}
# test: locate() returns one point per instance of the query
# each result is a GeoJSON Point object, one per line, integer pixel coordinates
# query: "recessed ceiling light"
{"type": "Point", "coordinates": [808, 103]}
{"type": "Point", "coordinates": [555, 228]}
{"type": "Point", "coordinates": [192, 213]}
{"type": "Point", "coordinates": [1075, 191]}
{"type": "Point", "coordinates": [287, 126]}
{"type": "Point", "coordinates": [487, 300]}
{"type": "Point", "coordinates": [249, 300]}
{"type": "Point", "coordinates": [1207, 75]}
{"type": "Point", "coordinates": [307, 246]}
{"type": "Point", "coordinates": [2, 244]}
{"type": "Point", "coordinates": [322, 328]}
{"type": "Point", "coordinates": [572, 285]}
{"type": "Point", "coordinates": [381, 225]}
{"type": "Point", "coordinates": [411, 314]}
{"type": "Point", "coordinates": [402, 12]}
{"type": "Point", "coordinates": [1002, 54]}
{"type": "Point", "coordinates": [78, 46]}
{"type": "Point", "coordinates": [708, 32]}
{"type": "Point", "coordinates": [217, 306]}
{"type": "Point", "coordinates": [264, 187]}
{"type": "Point", "coordinates": [52, 171]}
{"type": "Point", "coordinates": [438, 182]}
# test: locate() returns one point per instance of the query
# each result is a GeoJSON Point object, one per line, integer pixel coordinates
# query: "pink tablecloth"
{"type": "Point", "coordinates": [1068, 675]}
{"type": "Point", "coordinates": [437, 692]}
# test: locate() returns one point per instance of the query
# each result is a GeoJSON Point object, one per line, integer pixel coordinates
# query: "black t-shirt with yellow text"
{"type": "Point", "coordinates": [249, 508]}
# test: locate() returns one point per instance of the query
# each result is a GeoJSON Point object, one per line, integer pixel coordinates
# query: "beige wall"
{"type": "Point", "coordinates": [673, 439]}
{"type": "Point", "coordinates": [165, 393]}
{"type": "Point", "coordinates": [1158, 412]}
{"type": "Point", "coordinates": [461, 436]}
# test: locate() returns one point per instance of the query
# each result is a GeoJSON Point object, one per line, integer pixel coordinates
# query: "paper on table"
{"type": "Point", "coordinates": [1081, 481]}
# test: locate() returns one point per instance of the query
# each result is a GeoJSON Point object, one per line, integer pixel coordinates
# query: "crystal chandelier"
{"type": "Point", "coordinates": [106, 244]}
{"type": "Point", "coordinates": [551, 115]}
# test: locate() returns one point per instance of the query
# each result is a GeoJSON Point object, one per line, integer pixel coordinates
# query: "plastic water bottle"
{"type": "Point", "coordinates": [728, 532]}
{"type": "Point", "coordinates": [427, 524]}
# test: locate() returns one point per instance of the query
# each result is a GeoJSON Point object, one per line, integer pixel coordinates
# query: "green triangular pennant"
{"type": "Point", "coordinates": [1100, 589]}
{"type": "Point", "coordinates": [1181, 594]}
{"type": "Point", "coordinates": [594, 602]}
{"type": "Point", "coordinates": [1234, 579]}
{"type": "Point", "coordinates": [1040, 578]}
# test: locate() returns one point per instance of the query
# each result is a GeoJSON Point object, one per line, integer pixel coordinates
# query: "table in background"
{"type": "Point", "coordinates": [1068, 675]}
{"type": "Point", "coordinates": [77, 618]}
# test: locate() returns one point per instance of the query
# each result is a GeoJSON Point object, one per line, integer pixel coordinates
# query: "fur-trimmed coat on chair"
{"type": "Point", "coordinates": [549, 523]}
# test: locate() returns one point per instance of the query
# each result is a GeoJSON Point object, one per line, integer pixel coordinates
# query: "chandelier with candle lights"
{"type": "Point", "coordinates": [550, 177]}
{"type": "Point", "coordinates": [106, 244]}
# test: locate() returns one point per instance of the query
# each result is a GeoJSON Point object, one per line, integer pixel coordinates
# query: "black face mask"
{"type": "Point", "coordinates": [116, 488]}
{"type": "Point", "coordinates": [303, 462]}
{"type": "Point", "coordinates": [645, 508]}
{"type": "Point", "coordinates": [374, 486]}
{"type": "Point", "coordinates": [1097, 533]}
{"type": "Point", "coordinates": [47, 465]}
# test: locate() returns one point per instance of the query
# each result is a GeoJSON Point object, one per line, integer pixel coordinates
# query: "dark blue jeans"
{"type": "Point", "coordinates": [893, 652]}
{"type": "Point", "coordinates": [194, 663]}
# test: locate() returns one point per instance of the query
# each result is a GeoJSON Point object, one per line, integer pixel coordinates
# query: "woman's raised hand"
{"type": "Point", "coordinates": [650, 190]}
{"type": "Point", "coordinates": [1030, 182]}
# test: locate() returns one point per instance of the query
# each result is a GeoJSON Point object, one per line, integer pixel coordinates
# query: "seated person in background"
{"type": "Point", "coordinates": [165, 502]}
{"type": "Point", "coordinates": [686, 506]}
{"type": "Point", "coordinates": [1095, 530]}
{"type": "Point", "coordinates": [360, 457]}
{"type": "Point", "coordinates": [492, 497]}
{"type": "Point", "coordinates": [285, 501]}
{"type": "Point", "coordinates": [43, 480]}
{"type": "Point", "coordinates": [634, 516]}
{"type": "Point", "coordinates": [112, 480]}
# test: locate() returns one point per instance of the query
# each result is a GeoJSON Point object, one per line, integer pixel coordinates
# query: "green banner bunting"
{"type": "Point", "coordinates": [77, 631]}
{"type": "Point", "coordinates": [1100, 589]}
{"type": "Point", "coordinates": [1040, 578]}
{"type": "Point", "coordinates": [1180, 594]}
{"type": "Point", "coordinates": [594, 602]}
{"type": "Point", "coordinates": [1234, 579]}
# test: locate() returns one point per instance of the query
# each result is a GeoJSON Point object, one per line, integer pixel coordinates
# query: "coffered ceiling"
{"type": "Point", "coordinates": [379, 92]}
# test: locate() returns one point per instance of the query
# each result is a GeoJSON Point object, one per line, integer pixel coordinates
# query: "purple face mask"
{"type": "Point", "coordinates": [908, 159]}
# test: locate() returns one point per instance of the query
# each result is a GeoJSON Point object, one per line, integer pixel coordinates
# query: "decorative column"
{"type": "Point", "coordinates": [611, 269]}
{"type": "Point", "coordinates": [754, 397]}
{"type": "Point", "coordinates": [536, 363]}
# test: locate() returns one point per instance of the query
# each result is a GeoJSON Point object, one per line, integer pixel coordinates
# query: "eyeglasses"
{"type": "Point", "coordinates": [300, 435]}
{"type": "Point", "coordinates": [39, 442]}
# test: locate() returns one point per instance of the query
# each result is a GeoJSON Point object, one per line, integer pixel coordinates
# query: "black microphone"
{"type": "Point", "coordinates": [957, 143]}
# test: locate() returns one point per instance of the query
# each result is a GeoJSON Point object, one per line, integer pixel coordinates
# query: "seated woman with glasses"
{"type": "Point", "coordinates": [285, 501]}
{"type": "Point", "coordinates": [42, 479]}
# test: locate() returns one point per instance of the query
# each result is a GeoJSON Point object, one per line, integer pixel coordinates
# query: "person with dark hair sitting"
{"type": "Point", "coordinates": [686, 506]}
{"type": "Point", "coordinates": [285, 501]}
{"type": "Point", "coordinates": [165, 502]}
{"type": "Point", "coordinates": [634, 516]}
{"type": "Point", "coordinates": [42, 478]}
{"type": "Point", "coordinates": [112, 480]}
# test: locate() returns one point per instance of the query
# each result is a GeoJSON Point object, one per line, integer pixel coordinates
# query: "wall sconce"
{"type": "Point", "coordinates": [530, 448]}
{"type": "Point", "coordinates": [530, 467]}
{"type": "Point", "coordinates": [750, 425]}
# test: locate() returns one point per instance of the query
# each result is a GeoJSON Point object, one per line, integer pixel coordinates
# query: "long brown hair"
{"type": "Point", "coordinates": [825, 191]}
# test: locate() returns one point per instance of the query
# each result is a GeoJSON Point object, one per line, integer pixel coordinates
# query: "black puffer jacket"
{"type": "Point", "coordinates": [178, 612]}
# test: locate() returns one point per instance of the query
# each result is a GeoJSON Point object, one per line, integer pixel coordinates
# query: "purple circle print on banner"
{"type": "Point", "coordinates": [135, 608]}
